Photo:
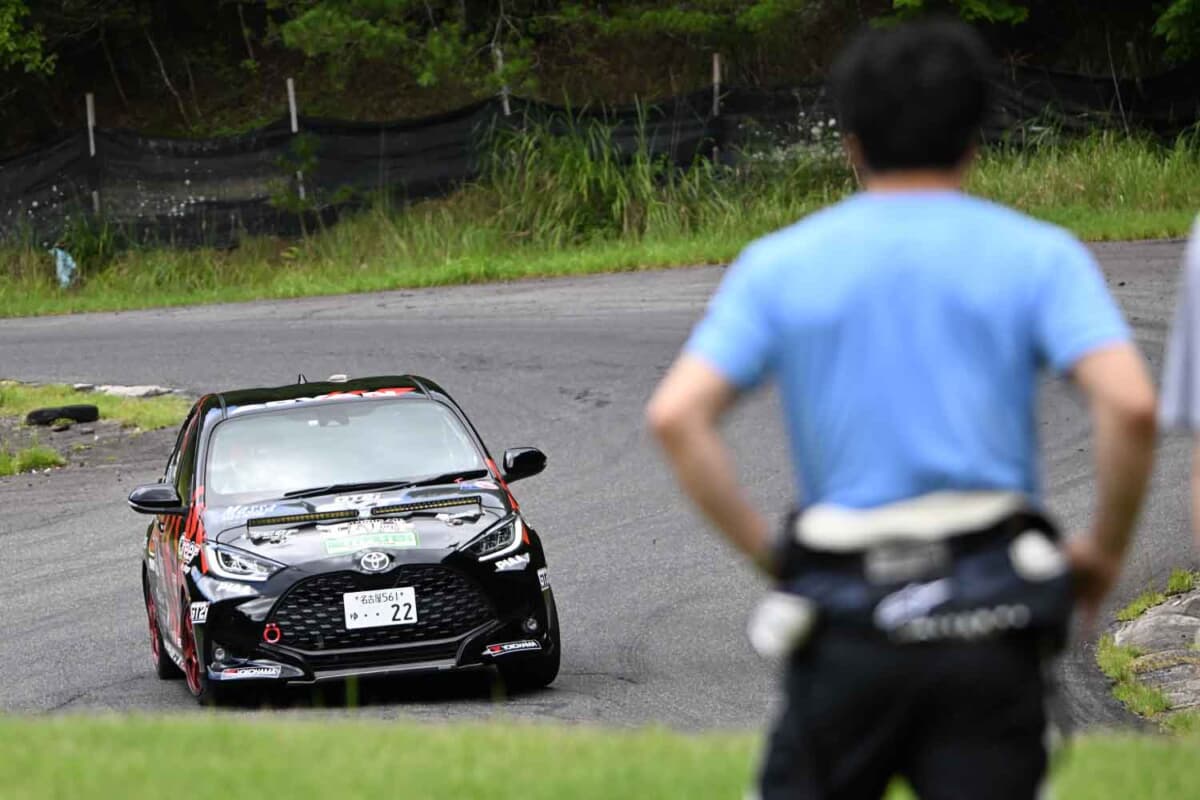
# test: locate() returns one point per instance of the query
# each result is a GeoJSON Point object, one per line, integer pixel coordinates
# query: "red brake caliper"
{"type": "Point", "coordinates": [191, 662]}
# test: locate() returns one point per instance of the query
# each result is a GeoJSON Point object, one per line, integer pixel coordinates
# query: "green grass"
{"type": "Point", "coordinates": [29, 459]}
{"type": "Point", "coordinates": [1142, 699]}
{"type": "Point", "coordinates": [143, 413]}
{"type": "Point", "coordinates": [1116, 662]}
{"type": "Point", "coordinates": [1141, 604]}
{"type": "Point", "coordinates": [222, 757]}
{"type": "Point", "coordinates": [562, 205]}
{"type": "Point", "coordinates": [1181, 581]}
{"type": "Point", "coordinates": [1183, 723]}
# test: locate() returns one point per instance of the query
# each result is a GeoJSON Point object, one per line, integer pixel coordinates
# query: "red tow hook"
{"type": "Point", "coordinates": [272, 634]}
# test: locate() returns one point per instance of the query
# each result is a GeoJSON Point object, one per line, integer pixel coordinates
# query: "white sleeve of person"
{"type": "Point", "coordinates": [1181, 373]}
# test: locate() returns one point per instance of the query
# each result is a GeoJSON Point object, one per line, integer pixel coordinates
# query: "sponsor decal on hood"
{"type": "Point", "coordinates": [235, 513]}
{"type": "Point", "coordinates": [477, 485]}
{"type": "Point", "coordinates": [350, 544]}
{"type": "Point", "coordinates": [346, 502]}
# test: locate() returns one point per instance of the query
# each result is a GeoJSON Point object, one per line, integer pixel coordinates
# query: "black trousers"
{"type": "Point", "coordinates": [956, 719]}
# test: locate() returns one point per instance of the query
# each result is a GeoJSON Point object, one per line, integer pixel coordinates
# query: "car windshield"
{"type": "Point", "coordinates": [263, 455]}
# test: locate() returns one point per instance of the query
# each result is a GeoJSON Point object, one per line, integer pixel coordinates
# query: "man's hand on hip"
{"type": "Point", "coordinates": [683, 416]}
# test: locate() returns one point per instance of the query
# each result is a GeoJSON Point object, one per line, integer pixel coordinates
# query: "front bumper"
{"type": "Point", "coordinates": [293, 631]}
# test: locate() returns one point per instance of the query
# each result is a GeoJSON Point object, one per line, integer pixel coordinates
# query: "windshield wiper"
{"type": "Point", "coordinates": [382, 486]}
{"type": "Point", "coordinates": [449, 477]}
{"type": "Point", "coordinates": [347, 487]}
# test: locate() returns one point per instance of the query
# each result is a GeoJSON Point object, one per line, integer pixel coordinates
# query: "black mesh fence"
{"type": "Point", "coordinates": [273, 181]}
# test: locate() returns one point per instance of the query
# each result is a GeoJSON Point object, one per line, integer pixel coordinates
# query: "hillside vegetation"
{"type": "Point", "coordinates": [559, 205]}
{"type": "Point", "coordinates": [201, 67]}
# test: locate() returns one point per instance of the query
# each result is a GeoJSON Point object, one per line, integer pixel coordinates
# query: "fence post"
{"type": "Point", "coordinates": [716, 98]}
{"type": "Point", "coordinates": [498, 55]}
{"type": "Point", "coordinates": [291, 91]}
{"type": "Point", "coordinates": [90, 99]}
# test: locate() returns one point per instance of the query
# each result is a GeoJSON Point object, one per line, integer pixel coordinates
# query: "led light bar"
{"type": "Point", "coordinates": [404, 508]}
{"type": "Point", "coordinates": [315, 516]}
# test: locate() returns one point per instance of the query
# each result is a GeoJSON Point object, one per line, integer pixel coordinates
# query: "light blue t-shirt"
{"type": "Point", "coordinates": [906, 332]}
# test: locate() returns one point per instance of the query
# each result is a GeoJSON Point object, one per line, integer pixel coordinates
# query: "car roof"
{"type": "Point", "coordinates": [294, 391]}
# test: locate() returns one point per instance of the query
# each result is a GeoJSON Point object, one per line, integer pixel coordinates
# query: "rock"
{"type": "Point", "coordinates": [1176, 673]}
{"type": "Point", "coordinates": [1173, 625]}
{"type": "Point", "coordinates": [61, 425]}
{"type": "Point", "coordinates": [134, 391]}
{"type": "Point", "coordinates": [87, 431]}
{"type": "Point", "coordinates": [83, 387]}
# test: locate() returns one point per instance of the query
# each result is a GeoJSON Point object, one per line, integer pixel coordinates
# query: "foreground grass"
{"type": "Point", "coordinates": [219, 757]}
{"type": "Point", "coordinates": [143, 413]}
{"type": "Point", "coordinates": [29, 459]}
{"type": "Point", "coordinates": [554, 207]}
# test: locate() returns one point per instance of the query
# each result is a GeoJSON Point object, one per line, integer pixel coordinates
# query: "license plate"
{"type": "Point", "coordinates": [380, 608]}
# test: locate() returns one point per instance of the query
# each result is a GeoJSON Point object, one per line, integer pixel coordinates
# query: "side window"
{"type": "Point", "coordinates": [185, 459]}
{"type": "Point", "coordinates": [173, 461]}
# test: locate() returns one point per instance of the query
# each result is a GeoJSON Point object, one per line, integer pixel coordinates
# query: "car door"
{"type": "Point", "coordinates": [167, 530]}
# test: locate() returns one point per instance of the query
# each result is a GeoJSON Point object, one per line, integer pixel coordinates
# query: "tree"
{"type": "Point", "coordinates": [440, 39]}
{"type": "Point", "coordinates": [20, 42]}
{"type": "Point", "coordinates": [1179, 25]}
{"type": "Point", "coordinates": [994, 11]}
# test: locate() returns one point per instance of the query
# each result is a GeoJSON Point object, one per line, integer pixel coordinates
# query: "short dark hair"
{"type": "Point", "coordinates": [915, 95]}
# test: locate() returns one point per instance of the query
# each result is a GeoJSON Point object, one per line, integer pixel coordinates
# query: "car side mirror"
{"type": "Point", "coordinates": [523, 462]}
{"type": "Point", "coordinates": [156, 498]}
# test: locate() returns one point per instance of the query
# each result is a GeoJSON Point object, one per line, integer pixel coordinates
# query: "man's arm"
{"type": "Point", "coordinates": [683, 415]}
{"type": "Point", "coordinates": [1123, 409]}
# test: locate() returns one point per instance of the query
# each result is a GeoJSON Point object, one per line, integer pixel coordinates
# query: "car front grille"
{"type": "Point", "coordinates": [449, 604]}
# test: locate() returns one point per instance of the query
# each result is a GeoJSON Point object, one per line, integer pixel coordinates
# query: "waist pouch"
{"type": "Point", "coordinates": [1008, 579]}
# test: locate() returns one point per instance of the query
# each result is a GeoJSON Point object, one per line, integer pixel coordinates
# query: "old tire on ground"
{"type": "Point", "coordinates": [76, 413]}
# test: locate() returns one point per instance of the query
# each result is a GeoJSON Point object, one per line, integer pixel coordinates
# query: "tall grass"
{"type": "Point", "coordinates": [559, 197]}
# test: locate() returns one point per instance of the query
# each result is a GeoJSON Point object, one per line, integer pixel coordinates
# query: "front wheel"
{"type": "Point", "coordinates": [535, 672]}
{"type": "Point", "coordinates": [205, 691]}
{"type": "Point", "coordinates": [164, 667]}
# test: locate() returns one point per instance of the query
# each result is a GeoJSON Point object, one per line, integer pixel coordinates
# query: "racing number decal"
{"type": "Point", "coordinates": [403, 612]}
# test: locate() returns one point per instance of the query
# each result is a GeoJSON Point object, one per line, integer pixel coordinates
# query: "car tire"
{"type": "Point", "coordinates": [206, 692]}
{"type": "Point", "coordinates": [164, 667]}
{"type": "Point", "coordinates": [535, 672]}
{"type": "Point", "coordinates": [76, 413]}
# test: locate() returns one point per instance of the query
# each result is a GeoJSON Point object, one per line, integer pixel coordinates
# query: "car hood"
{"type": "Point", "coordinates": [279, 531]}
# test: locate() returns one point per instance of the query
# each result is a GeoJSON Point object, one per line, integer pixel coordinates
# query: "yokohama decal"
{"type": "Point", "coordinates": [507, 648]}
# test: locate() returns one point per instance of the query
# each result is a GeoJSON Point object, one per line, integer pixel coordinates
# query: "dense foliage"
{"type": "Point", "coordinates": [204, 66]}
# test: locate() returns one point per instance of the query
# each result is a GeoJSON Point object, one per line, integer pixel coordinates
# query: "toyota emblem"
{"type": "Point", "coordinates": [374, 561]}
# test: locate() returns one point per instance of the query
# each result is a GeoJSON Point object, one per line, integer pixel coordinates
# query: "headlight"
{"type": "Point", "coordinates": [499, 540]}
{"type": "Point", "coordinates": [229, 562]}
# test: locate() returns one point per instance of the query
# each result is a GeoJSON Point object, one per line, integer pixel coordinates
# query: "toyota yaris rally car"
{"type": "Point", "coordinates": [321, 531]}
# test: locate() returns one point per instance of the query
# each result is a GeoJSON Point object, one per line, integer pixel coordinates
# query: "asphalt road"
{"type": "Point", "coordinates": [653, 606]}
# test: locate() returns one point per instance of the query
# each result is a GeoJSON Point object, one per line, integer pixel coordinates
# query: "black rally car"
{"type": "Point", "coordinates": [320, 531]}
